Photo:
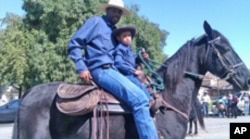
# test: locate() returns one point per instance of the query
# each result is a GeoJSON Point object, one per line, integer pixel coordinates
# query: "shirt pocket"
{"type": "Point", "coordinates": [107, 42]}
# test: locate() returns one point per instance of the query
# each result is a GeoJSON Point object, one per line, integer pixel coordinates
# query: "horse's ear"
{"type": "Point", "coordinates": [208, 29]}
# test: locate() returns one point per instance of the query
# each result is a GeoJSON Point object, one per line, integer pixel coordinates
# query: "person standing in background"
{"type": "Point", "coordinates": [232, 105]}
{"type": "Point", "coordinates": [246, 98]}
{"type": "Point", "coordinates": [205, 99]}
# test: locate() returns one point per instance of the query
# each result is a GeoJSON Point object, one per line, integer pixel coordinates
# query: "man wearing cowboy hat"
{"type": "Point", "coordinates": [97, 64]}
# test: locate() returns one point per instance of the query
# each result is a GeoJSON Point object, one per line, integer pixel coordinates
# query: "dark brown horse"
{"type": "Point", "coordinates": [38, 117]}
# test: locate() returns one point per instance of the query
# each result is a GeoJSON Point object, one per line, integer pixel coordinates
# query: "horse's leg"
{"type": "Point", "coordinates": [199, 115]}
{"type": "Point", "coordinates": [195, 127]}
{"type": "Point", "coordinates": [190, 126]}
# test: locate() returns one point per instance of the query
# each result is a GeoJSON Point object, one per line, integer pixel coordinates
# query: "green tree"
{"type": "Point", "coordinates": [148, 35]}
{"type": "Point", "coordinates": [13, 62]}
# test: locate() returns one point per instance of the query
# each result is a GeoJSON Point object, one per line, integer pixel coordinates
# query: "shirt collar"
{"type": "Point", "coordinates": [105, 18]}
{"type": "Point", "coordinates": [125, 47]}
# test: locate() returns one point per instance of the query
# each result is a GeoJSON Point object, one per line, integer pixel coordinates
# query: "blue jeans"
{"type": "Point", "coordinates": [135, 80]}
{"type": "Point", "coordinates": [134, 97]}
{"type": "Point", "coordinates": [205, 108]}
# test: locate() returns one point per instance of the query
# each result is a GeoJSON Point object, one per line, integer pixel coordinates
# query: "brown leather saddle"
{"type": "Point", "coordinates": [76, 99]}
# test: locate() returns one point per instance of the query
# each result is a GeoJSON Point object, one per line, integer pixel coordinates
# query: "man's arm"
{"type": "Point", "coordinates": [79, 41]}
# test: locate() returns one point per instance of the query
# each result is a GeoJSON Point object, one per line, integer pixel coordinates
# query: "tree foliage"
{"type": "Point", "coordinates": [12, 53]}
{"type": "Point", "coordinates": [33, 48]}
{"type": "Point", "coordinates": [148, 35]}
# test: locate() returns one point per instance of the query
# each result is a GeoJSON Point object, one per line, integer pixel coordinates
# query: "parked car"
{"type": "Point", "coordinates": [8, 111]}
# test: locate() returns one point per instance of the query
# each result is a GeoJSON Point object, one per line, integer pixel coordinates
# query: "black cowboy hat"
{"type": "Point", "coordinates": [123, 28]}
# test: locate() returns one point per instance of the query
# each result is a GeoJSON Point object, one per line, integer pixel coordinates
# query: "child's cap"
{"type": "Point", "coordinates": [123, 28]}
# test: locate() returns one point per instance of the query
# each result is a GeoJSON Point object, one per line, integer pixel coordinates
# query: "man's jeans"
{"type": "Point", "coordinates": [121, 87]}
{"type": "Point", "coordinates": [133, 79]}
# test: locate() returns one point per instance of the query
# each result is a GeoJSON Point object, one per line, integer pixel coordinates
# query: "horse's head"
{"type": "Point", "coordinates": [223, 61]}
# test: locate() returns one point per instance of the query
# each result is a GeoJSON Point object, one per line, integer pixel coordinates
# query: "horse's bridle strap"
{"type": "Point", "coordinates": [230, 70]}
{"type": "Point", "coordinates": [167, 105]}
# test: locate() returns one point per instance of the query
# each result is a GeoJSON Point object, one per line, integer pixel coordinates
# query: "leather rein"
{"type": "Point", "coordinates": [160, 86]}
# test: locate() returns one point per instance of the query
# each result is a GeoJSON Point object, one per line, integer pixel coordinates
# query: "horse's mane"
{"type": "Point", "coordinates": [176, 64]}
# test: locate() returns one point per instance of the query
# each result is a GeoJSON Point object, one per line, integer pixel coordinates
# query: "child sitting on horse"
{"type": "Point", "coordinates": [126, 63]}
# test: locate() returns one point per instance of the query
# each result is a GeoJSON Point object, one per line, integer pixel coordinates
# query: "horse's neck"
{"type": "Point", "coordinates": [180, 88]}
{"type": "Point", "coordinates": [187, 59]}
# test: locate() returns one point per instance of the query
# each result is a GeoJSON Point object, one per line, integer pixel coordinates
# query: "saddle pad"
{"type": "Point", "coordinates": [73, 90]}
{"type": "Point", "coordinates": [77, 99]}
{"type": "Point", "coordinates": [74, 99]}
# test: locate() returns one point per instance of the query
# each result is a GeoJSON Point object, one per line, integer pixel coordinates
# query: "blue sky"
{"type": "Point", "coordinates": [184, 19]}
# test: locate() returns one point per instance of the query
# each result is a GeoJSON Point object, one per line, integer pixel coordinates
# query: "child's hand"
{"type": "Point", "coordinates": [144, 54]}
{"type": "Point", "coordinates": [138, 72]}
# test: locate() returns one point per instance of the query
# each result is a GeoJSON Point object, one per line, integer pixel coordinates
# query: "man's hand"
{"type": "Point", "coordinates": [85, 76]}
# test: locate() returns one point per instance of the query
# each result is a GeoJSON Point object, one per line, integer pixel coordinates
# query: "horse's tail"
{"type": "Point", "coordinates": [199, 113]}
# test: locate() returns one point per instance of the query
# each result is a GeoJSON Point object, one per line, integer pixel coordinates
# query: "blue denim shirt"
{"type": "Point", "coordinates": [125, 59]}
{"type": "Point", "coordinates": [94, 36]}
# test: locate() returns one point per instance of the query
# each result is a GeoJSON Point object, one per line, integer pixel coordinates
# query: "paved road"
{"type": "Point", "coordinates": [6, 130]}
{"type": "Point", "coordinates": [216, 128]}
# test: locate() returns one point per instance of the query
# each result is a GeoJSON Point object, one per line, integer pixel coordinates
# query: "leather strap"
{"type": "Point", "coordinates": [166, 104]}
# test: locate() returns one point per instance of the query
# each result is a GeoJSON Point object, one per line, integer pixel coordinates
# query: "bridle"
{"type": "Point", "coordinates": [230, 70]}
